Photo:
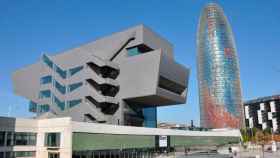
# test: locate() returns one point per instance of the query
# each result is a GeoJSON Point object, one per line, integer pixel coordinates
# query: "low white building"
{"type": "Point", "coordinates": [64, 138]}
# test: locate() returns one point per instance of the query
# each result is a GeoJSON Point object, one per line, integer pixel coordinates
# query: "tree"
{"type": "Point", "coordinates": [245, 134]}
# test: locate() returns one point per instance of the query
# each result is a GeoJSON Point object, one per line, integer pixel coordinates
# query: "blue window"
{"type": "Point", "coordinates": [43, 108]}
{"type": "Point", "coordinates": [74, 70]}
{"type": "Point", "coordinates": [47, 61]}
{"type": "Point", "coordinates": [133, 51]}
{"type": "Point", "coordinates": [72, 103]}
{"type": "Point", "coordinates": [46, 79]}
{"type": "Point", "coordinates": [45, 94]}
{"type": "Point", "coordinates": [32, 106]}
{"type": "Point", "coordinates": [61, 72]}
{"type": "Point", "coordinates": [60, 104]}
{"type": "Point", "coordinates": [60, 87]}
{"type": "Point", "coordinates": [150, 117]}
{"type": "Point", "coordinates": [75, 86]}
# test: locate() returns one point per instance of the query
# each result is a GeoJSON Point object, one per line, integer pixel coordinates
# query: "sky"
{"type": "Point", "coordinates": [29, 28]}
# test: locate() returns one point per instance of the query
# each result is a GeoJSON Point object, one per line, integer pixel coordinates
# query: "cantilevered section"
{"type": "Point", "coordinates": [111, 80]}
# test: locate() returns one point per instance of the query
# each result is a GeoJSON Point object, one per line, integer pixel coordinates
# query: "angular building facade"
{"type": "Point", "coordinates": [263, 113]}
{"type": "Point", "coordinates": [218, 71]}
{"type": "Point", "coordinates": [118, 79]}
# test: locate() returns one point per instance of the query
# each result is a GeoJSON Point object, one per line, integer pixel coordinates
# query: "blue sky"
{"type": "Point", "coordinates": [28, 28]}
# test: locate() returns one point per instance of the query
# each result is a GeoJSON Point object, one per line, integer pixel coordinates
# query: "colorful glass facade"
{"type": "Point", "coordinates": [218, 71]}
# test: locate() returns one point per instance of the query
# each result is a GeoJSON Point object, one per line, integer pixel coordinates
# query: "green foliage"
{"type": "Point", "coordinates": [267, 131]}
{"type": "Point", "coordinates": [245, 134]}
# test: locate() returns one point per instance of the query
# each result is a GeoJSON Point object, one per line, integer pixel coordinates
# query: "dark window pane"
{"type": "Point", "coordinates": [60, 87]}
{"type": "Point", "coordinates": [32, 106]}
{"type": "Point", "coordinates": [52, 139]}
{"type": "Point", "coordinates": [10, 139]}
{"type": "Point", "coordinates": [46, 79]}
{"type": "Point", "coordinates": [2, 138]}
{"type": "Point", "coordinates": [47, 61]}
{"type": "Point", "coordinates": [60, 104]}
{"type": "Point", "coordinates": [74, 70]}
{"type": "Point", "coordinates": [43, 108]}
{"type": "Point", "coordinates": [24, 153]}
{"type": "Point", "coordinates": [45, 94]}
{"type": "Point", "coordinates": [74, 102]}
{"type": "Point", "coordinates": [9, 155]}
{"type": "Point", "coordinates": [61, 72]}
{"type": "Point", "coordinates": [23, 138]}
{"type": "Point", "coordinates": [74, 86]}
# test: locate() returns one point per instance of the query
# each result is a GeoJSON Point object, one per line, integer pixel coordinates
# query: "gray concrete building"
{"type": "Point", "coordinates": [117, 79]}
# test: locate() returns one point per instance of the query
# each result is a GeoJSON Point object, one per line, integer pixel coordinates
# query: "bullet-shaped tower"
{"type": "Point", "coordinates": [218, 71]}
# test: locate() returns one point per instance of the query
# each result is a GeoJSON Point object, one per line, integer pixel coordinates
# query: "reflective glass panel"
{"type": "Point", "coordinates": [46, 79]}
{"type": "Point", "coordinates": [72, 103]}
{"type": "Point", "coordinates": [32, 106]}
{"type": "Point", "coordinates": [43, 108]}
{"type": "Point", "coordinates": [61, 72]}
{"type": "Point", "coordinates": [74, 86]}
{"type": "Point", "coordinates": [60, 87]}
{"type": "Point", "coordinates": [74, 70]}
{"type": "Point", "coordinates": [47, 61]}
{"type": "Point", "coordinates": [60, 104]}
{"type": "Point", "coordinates": [45, 94]}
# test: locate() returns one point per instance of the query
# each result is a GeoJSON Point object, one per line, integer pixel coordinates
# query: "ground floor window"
{"type": "Point", "coordinates": [17, 154]}
{"type": "Point", "coordinates": [127, 153]}
{"type": "Point", "coordinates": [2, 138]}
{"type": "Point", "coordinates": [53, 155]}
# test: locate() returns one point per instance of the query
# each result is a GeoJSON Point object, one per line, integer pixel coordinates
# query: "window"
{"type": "Point", "coordinates": [46, 79]}
{"type": "Point", "coordinates": [24, 153]}
{"type": "Point", "coordinates": [10, 139]}
{"type": "Point", "coordinates": [53, 155]}
{"type": "Point", "coordinates": [133, 51]}
{"type": "Point", "coordinates": [60, 104]}
{"type": "Point", "coordinates": [52, 139]}
{"type": "Point", "coordinates": [43, 108]}
{"type": "Point", "coordinates": [60, 87]}
{"type": "Point", "coordinates": [32, 106]}
{"type": "Point", "coordinates": [2, 138]}
{"type": "Point", "coordinates": [150, 117]}
{"type": "Point", "coordinates": [44, 94]}
{"type": "Point", "coordinates": [74, 70]}
{"type": "Point", "coordinates": [74, 86]}
{"type": "Point", "coordinates": [61, 72]}
{"type": "Point", "coordinates": [72, 103]}
{"type": "Point", "coordinates": [139, 49]}
{"type": "Point", "coordinates": [47, 61]}
{"type": "Point", "coordinates": [23, 138]}
{"type": "Point", "coordinates": [9, 154]}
